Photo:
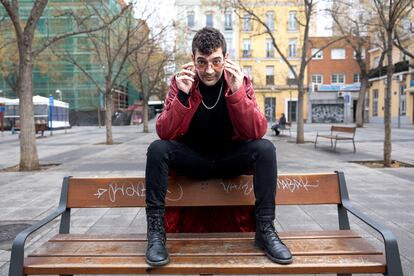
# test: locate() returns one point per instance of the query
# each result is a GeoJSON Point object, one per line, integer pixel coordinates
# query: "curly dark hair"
{"type": "Point", "coordinates": [207, 40]}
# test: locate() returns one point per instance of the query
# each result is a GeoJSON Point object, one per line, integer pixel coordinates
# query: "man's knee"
{"type": "Point", "coordinates": [265, 150]}
{"type": "Point", "coordinates": [264, 145]}
{"type": "Point", "coordinates": [158, 148]}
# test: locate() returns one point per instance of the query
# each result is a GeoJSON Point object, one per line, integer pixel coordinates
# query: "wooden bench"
{"type": "Point", "coordinates": [284, 127]}
{"type": "Point", "coordinates": [339, 133]}
{"type": "Point", "coordinates": [40, 127]}
{"type": "Point", "coordinates": [340, 251]}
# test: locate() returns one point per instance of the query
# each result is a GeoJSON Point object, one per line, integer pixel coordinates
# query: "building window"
{"type": "Point", "coordinates": [357, 78]}
{"type": "Point", "coordinates": [319, 55]}
{"type": "Point", "coordinates": [338, 53]}
{"type": "Point", "coordinates": [247, 23]}
{"type": "Point", "coordinates": [270, 20]}
{"type": "Point", "coordinates": [292, 48]}
{"type": "Point", "coordinates": [270, 77]}
{"type": "Point", "coordinates": [247, 51]}
{"type": "Point", "coordinates": [403, 101]}
{"type": "Point", "coordinates": [247, 70]}
{"type": "Point", "coordinates": [227, 21]}
{"type": "Point", "coordinates": [209, 20]}
{"type": "Point", "coordinates": [317, 78]}
{"type": "Point", "coordinates": [376, 62]}
{"type": "Point", "coordinates": [292, 21]}
{"type": "Point", "coordinates": [362, 53]}
{"type": "Point", "coordinates": [190, 20]}
{"type": "Point", "coordinates": [375, 103]}
{"type": "Point", "coordinates": [338, 78]}
{"type": "Point", "coordinates": [270, 52]}
{"type": "Point", "coordinates": [270, 109]}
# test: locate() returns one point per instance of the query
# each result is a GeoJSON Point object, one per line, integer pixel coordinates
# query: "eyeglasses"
{"type": "Point", "coordinates": [204, 64]}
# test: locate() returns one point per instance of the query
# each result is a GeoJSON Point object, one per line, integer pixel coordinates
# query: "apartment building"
{"type": "Point", "coordinates": [63, 80]}
{"type": "Point", "coordinates": [192, 15]}
{"type": "Point", "coordinates": [275, 85]}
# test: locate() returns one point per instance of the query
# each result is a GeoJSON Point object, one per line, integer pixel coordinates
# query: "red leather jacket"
{"type": "Point", "coordinates": [248, 122]}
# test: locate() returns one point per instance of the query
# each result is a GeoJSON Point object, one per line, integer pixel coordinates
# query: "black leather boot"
{"type": "Point", "coordinates": [156, 254]}
{"type": "Point", "coordinates": [267, 239]}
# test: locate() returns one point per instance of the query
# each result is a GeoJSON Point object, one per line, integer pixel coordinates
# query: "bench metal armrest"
{"type": "Point", "coordinates": [392, 254]}
{"type": "Point", "coordinates": [17, 254]}
{"type": "Point", "coordinates": [390, 242]}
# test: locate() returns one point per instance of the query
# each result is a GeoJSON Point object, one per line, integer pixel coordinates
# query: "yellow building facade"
{"type": "Point", "coordinates": [276, 89]}
{"type": "Point", "coordinates": [402, 87]}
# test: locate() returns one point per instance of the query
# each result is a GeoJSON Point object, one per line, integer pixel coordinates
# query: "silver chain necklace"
{"type": "Point", "coordinates": [218, 99]}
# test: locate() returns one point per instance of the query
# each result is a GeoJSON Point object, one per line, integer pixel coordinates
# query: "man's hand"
{"type": "Point", "coordinates": [234, 75]}
{"type": "Point", "coordinates": [185, 77]}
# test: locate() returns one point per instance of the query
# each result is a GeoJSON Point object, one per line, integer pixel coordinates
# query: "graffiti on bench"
{"type": "Point", "coordinates": [114, 190]}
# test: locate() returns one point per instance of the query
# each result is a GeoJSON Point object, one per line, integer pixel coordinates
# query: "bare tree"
{"type": "Point", "coordinates": [304, 20]}
{"type": "Point", "coordinates": [353, 24]}
{"type": "Point", "coordinates": [111, 49]}
{"type": "Point", "coordinates": [9, 65]}
{"type": "Point", "coordinates": [25, 33]}
{"type": "Point", "coordinates": [148, 73]}
{"type": "Point", "coordinates": [389, 14]}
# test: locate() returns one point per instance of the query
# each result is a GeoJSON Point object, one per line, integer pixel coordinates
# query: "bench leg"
{"type": "Point", "coordinates": [353, 142]}
{"type": "Point", "coordinates": [335, 144]}
{"type": "Point", "coordinates": [316, 140]}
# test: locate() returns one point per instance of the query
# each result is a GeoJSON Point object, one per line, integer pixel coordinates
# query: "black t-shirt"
{"type": "Point", "coordinates": [210, 129]}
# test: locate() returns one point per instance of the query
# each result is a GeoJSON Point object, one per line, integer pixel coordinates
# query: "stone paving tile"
{"type": "Point", "coordinates": [4, 256]}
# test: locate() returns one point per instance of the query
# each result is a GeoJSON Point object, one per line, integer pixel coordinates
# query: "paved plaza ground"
{"type": "Point", "coordinates": [386, 195]}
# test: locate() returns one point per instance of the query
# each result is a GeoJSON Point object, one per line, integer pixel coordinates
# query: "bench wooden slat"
{"type": "Point", "coordinates": [336, 137]}
{"type": "Point", "coordinates": [202, 265]}
{"type": "Point", "coordinates": [343, 246]}
{"type": "Point", "coordinates": [184, 191]}
{"type": "Point", "coordinates": [206, 236]}
{"type": "Point", "coordinates": [343, 129]}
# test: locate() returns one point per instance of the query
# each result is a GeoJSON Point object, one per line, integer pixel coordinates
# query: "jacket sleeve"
{"type": "Point", "coordinates": [248, 121]}
{"type": "Point", "coordinates": [173, 120]}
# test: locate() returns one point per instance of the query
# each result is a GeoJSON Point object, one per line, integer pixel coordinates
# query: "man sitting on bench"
{"type": "Point", "coordinates": [281, 124]}
{"type": "Point", "coordinates": [211, 126]}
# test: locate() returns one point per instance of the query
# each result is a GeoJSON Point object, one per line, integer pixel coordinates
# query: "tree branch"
{"type": "Point", "coordinates": [66, 35]}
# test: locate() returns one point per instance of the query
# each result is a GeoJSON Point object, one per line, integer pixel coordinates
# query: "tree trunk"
{"type": "Point", "coordinates": [28, 151]}
{"type": "Point", "coordinates": [300, 137]}
{"type": "Point", "coordinates": [108, 117]}
{"type": "Point", "coordinates": [387, 103]}
{"type": "Point", "coordinates": [361, 103]}
{"type": "Point", "coordinates": [145, 117]}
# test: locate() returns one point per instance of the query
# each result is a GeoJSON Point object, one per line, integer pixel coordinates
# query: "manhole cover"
{"type": "Point", "coordinates": [8, 232]}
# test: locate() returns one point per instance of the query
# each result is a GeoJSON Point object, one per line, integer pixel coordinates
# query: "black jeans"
{"type": "Point", "coordinates": [239, 158]}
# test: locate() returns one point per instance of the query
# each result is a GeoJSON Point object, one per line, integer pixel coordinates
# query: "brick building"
{"type": "Point", "coordinates": [333, 81]}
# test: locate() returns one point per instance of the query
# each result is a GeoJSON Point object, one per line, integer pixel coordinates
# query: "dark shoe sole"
{"type": "Point", "coordinates": [159, 263]}
{"type": "Point", "coordinates": [276, 260]}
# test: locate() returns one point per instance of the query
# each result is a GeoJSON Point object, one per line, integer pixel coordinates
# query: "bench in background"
{"type": "Point", "coordinates": [339, 133]}
{"type": "Point", "coordinates": [340, 251]}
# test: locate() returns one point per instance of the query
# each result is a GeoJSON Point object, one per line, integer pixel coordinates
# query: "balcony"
{"type": "Point", "coordinates": [247, 53]}
{"type": "Point", "coordinates": [270, 80]}
{"type": "Point", "coordinates": [290, 81]}
{"type": "Point", "coordinates": [270, 54]}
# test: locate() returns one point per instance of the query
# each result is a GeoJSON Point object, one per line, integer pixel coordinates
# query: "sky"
{"type": "Point", "coordinates": [157, 13]}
